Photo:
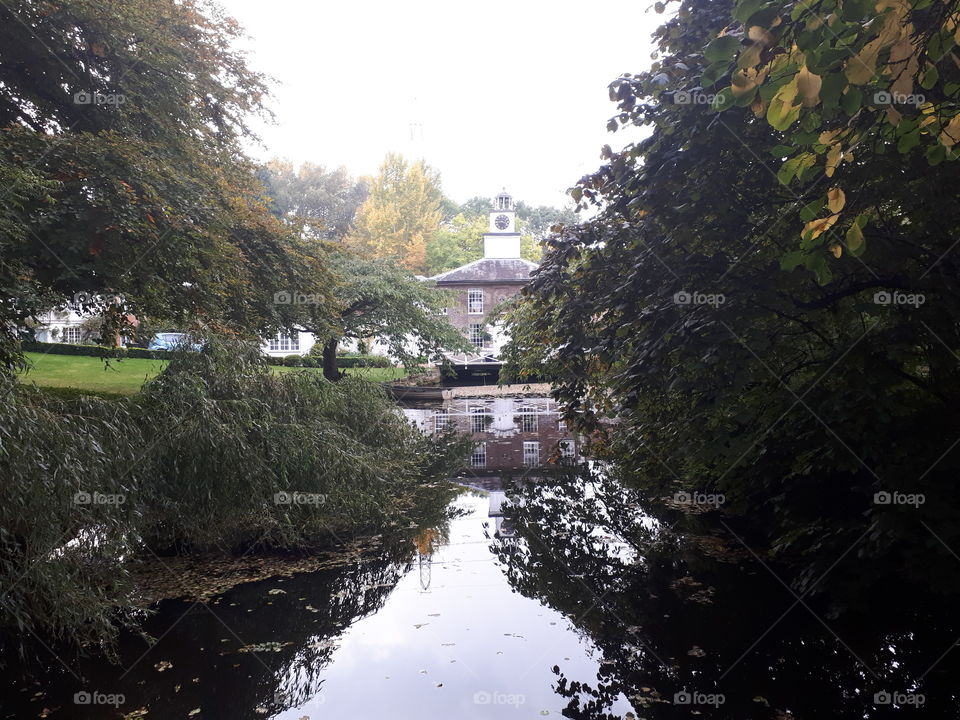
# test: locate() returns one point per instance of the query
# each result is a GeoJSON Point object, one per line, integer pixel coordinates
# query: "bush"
{"type": "Point", "coordinates": [208, 456]}
{"type": "Point", "coordinates": [309, 362]}
{"type": "Point", "coordinates": [293, 361]}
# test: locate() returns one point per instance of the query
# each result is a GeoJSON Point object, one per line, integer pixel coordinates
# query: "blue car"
{"type": "Point", "coordinates": [172, 341]}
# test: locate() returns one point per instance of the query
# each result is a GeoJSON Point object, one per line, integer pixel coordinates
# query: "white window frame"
{"type": "Point", "coordinates": [561, 424]}
{"type": "Point", "coordinates": [475, 301]}
{"type": "Point", "coordinates": [478, 420]}
{"type": "Point", "coordinates": [441, 420]}
{"type": "Point", "coordinates": [285, 343]}
{"type": "Point", "coordinates": [475, 332]}
{"type": "Point", "coordinates": [567, 448]}
{"type": "Point", "coordinates": [531, 453]}
{"type": "Point", "coordinates": [67, 334]}
{"type": "Point", "coordinates": [479, 457]}
{"type": "Point", "coordinates": [529, 419]}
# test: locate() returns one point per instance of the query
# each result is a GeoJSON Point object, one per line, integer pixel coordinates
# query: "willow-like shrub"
{"type": "Point", "coordinates": [215, 454]}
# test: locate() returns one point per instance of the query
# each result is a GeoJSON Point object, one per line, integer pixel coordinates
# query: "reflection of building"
{"type": "Point", "coordinates": [483, 284]}
{"type": "Point", "coordinates": [512, 434]}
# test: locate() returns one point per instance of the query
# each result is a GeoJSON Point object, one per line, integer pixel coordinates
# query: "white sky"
{"type": "Point", "coordinates": [493, 94]}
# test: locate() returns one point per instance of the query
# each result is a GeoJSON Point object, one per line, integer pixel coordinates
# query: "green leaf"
{"type": "Point", "coordinates": [936, 154]}
{"type": "Point", "coordinates": [852, 100]}
{"type": "Point", "coordinates": [930, 77]}
{"type": "Point", "coordinates": [908, 141]}
{"type": "Point", "coordinates": [791, 260]}
{"type": "Point", "coordinates": [721, 49]}
{"type": "Point", "coordinates": [812, 210]}
{"type": "Point", "coordinates": [723, 100]}
{"type": "Point", "coordinates": [832, 89]}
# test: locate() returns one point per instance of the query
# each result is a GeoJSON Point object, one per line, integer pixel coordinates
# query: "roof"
{"type": "Point", "coordinates": [489, 270]}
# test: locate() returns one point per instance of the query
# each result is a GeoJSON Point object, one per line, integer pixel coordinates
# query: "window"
{"type": "Point", "coordinates": [478, 420]}
{"type": "Point", "coordinates": [531, 454]}
{"type": "Point", "coordinates": [285, 343]}
{"type": "Point", "coordinates": [479, 457]}
{"type": "Point", "coordinates": [567, 448]}
{"type": "Point", "coordinates": [475, 334]}
{"type": "Point", "coordinates": [72, 334]}
{"type": "Point", "coordinates": [441, 421]}
{"type": "Point", "coordinates": [475, 302]}
{"type": "Point", "coordinates": [528, 419]}
{"type": "Point", "coordinates": [561, 424]}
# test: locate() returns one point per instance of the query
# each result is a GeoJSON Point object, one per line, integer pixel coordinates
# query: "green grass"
{"type": "Point", "coordinates": [125, 377]}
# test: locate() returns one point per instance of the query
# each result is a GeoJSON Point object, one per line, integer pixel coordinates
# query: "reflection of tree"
{"type": "Point", "coordinates": [667, 617]}
{"type": "Point", "coordinates": [261, 647]}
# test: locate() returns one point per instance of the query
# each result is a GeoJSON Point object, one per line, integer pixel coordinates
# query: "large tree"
{"type": "Point", "coordinates": [809, 399]}
{"type": "Point", "coordinates": [121, 132]}
{"type": "Point", "coordinates": [374, 297]}
{"type": "Point", "coordinates": [321, 202]}
{"type": "Point", "coordinates": [403, 210]}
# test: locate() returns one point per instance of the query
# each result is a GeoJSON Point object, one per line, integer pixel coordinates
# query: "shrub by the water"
{"type": "Point", "coordinates": [216, 453]}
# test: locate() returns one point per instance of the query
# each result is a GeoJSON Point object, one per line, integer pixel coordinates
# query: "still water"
{"type": "Point", "coordinates": [549, 593]}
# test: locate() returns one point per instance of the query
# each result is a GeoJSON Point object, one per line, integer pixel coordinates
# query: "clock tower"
{"type": "Point", "coordinates": [502, 239]}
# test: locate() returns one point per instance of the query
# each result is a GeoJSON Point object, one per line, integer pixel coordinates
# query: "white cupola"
{"type": "Point", "coordinates": [502, 239]}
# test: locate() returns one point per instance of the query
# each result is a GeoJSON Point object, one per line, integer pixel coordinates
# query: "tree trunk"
{"type": "Point", "coordinates": [330, 370]}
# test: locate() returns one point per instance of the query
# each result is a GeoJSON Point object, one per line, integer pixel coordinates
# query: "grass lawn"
{"type": "Point", "coordinates": [125, 377]}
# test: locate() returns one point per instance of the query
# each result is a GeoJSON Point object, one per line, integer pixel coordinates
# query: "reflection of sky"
{"type": "Point", "coordinates": [478, 640]}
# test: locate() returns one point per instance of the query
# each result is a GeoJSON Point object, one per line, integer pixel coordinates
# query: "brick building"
{"type": "Point", "coordinates": [483, 284]}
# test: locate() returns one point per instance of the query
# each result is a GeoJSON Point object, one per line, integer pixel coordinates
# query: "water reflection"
{"type": "Point", "coordinates": [690, 624]}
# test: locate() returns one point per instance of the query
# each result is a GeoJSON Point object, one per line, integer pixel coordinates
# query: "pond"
{"type": "Point", "coordinates": [550, 592]}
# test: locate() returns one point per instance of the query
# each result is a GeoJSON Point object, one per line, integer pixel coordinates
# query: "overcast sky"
{"type": "Point", "coordinates": [493, 94]}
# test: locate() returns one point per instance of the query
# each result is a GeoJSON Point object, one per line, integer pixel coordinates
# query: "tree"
{"type": "Point", "coordinates": [122, 131]}
{"type": "Point", "coordinates": [401, 213]}
{"type": "Point", "coordinates": [322, 203]}
{"type": "Point", "coordinates": [807, 399]}
{"type": "Point", "coordinates": [456, 243]}
{"type": "Point", "coordinates": [376, 298]}
{"type": "Point", "coordinates": [539, 221]}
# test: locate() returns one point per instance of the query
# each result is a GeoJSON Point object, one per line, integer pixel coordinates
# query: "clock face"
{"type": "Point", "coordinates": [502, 222]}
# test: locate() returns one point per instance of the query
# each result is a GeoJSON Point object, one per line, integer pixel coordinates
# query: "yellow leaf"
{"type": "Point", "coordinates": [854, 237]}
{"type": "Point", "coordinates": [760, 35]}
{"type": "Point", "coordinates": [782, 112]}
{"type": "Point", "coordinates": [903, 64]}
{"type": "Point", "coordinates": [951, 133]}
{"type": "Point", "coordinates": [836, 199]}
{"type": "Point", "coordinates": [827, 136]}
{"type": "Point", "coordinates": [816, 228]}
{"type": "Point", "coordinates": [759, 107]}
{"type": "Point", "coordinates": [808, 85]}
{"type": "Point", "coordinates": [893, 115]}
{"type": "Point", "coordinates": [833, 159]}
{"type": "Point", "coordinates": [837, 250]}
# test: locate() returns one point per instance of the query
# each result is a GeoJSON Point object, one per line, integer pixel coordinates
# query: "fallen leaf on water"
{"type": "Point", "coordinates": [696, 651]}
{"type": "Point", "coordinates": [163, 665]}
{"type": "Point", "coordinates": [195, 711]}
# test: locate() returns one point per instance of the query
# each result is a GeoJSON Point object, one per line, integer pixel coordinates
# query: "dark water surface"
{"type": "Point", "coordinates": [551, 593]}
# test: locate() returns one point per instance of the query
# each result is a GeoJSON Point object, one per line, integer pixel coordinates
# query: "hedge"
{"type": "Point", "coordinates": [351, 360]}
{"type": "Point", "coordinates": [100, 351]}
